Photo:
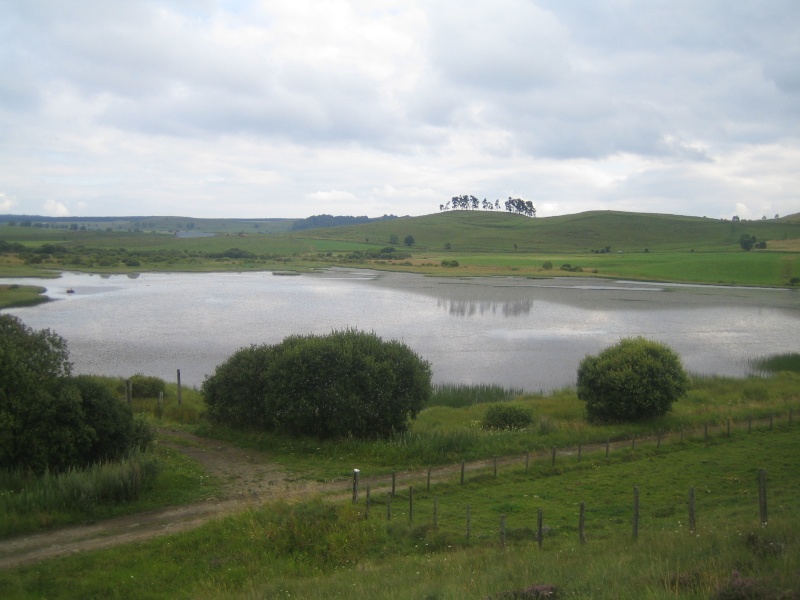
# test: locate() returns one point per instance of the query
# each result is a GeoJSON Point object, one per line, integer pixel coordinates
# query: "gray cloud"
{"type": "Point", "coordinates": [106, 107]}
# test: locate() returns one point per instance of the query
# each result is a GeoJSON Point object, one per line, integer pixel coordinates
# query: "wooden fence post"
{"type": "Point", "coordinates": [462, 472]}
{"type": "Point", "coordinates": [179, 387]}
{"type": "Point", "coordinates": [692, 515]}
{"type": "Point", "coordinates": [635, 512]}
{"type": "Point", "coordinates": [495, 467]}
{"type": "Point", "coordinates": [388, 507]}
{"type": "Point", "coordinates": [539, 527]}
{"type": "Point", "coordinates": [394, 481]}
{"type": "Point", "coordinates": [762, 495]}
{"type": "Point", "coordinates": [582, 523]}
{"type": "Point", "coordinates": [356, 473]}
{"type": "Point", "coordinates": [366, 511]}
{"type": "Point", "coordinates": [554, 457]}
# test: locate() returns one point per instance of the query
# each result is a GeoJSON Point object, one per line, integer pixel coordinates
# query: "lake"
{"type": "Point", "coordinates": [517, 332]}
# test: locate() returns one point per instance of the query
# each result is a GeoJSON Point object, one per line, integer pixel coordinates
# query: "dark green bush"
{"type": "Point", "coordinates": [547, 265]}
{"type": "Point", "coordinates": [49, 420]}
{"type": "Point", "coordinates": [507, 416]}
{"type": "Point", "coordinates": [347, 383]}
{"type": "Point", "coordinates": [144, 386]}
{"type": "Point", "coordinates": [632, 380]}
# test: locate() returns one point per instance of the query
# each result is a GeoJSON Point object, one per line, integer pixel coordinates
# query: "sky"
{"type": "Point", "coordinates": [290, 108]}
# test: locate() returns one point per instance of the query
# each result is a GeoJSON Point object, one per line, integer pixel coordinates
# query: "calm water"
{"type": "Point", "coordinates": [516, 332]}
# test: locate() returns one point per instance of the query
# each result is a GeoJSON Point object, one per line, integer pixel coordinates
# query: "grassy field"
{"type": "Point", "coordinates": [600, 244]}
{"type": "Point", "coordinates": [21, 295]}
{"type": "Point", "coordinates": [316, 549]}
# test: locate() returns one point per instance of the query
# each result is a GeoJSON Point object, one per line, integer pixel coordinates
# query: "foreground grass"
{"type": "Point", "coordinates": [316, 549]}
{"type": "Point", "coordinates": [446, 434]}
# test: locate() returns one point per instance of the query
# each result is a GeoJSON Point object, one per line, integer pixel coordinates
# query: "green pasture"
{"type": "Point", "coordinates": [318, 549]}
{"type": "Point", "coordinates": [602, 244]}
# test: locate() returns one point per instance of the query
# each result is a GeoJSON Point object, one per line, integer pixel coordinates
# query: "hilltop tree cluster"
{"type": "Point", "coordinates": [512, 205]}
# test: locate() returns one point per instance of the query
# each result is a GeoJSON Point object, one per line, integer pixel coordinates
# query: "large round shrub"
{"type": "Point", "coordinates": [49, 420]}
{"type": "Point", "coordinates": [347, 383]}
{"type": "Point", "coordinates": [632, 380]}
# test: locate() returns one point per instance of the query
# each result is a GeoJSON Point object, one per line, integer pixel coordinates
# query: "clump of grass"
{"type": "Point", "coordinates": [789, 361]}
{"type": "Point", "coordinates": [24, 496]}
{"type": "Point", "coordinates": [461, 395]}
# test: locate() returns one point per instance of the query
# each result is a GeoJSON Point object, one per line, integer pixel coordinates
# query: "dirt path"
{"type": "Point", "coordinates": [247, 481]}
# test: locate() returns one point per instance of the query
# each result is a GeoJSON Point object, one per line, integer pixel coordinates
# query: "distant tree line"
{"type": "Point", "coordinates": [513, 205]}
{"type": "Point", "coordinates": [318, 221]}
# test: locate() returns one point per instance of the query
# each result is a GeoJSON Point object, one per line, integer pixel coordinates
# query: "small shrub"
{"type": "Point", "coordinates": [449, 263]}
{"type": "Point", "coordinates": [547, 265]}
{"type": "Point", "coordinates": [632, 380]}
{"type": "Point", "coordinates": [506, 416]}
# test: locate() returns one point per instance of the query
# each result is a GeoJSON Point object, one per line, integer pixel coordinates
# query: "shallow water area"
{"type": "Point", "coordinates": [526, 333]}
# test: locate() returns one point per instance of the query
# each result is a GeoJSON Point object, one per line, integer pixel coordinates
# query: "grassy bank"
{"type": "Point", "coordinates": [315, 549]}
{"type": "Point", "coordinates": [21, 295]}
{"type": "Point", "coordinates": [449, 434]}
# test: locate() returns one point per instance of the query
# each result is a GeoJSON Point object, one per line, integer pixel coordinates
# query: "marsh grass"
{"type": "Point", "coordinates": [461, 395]}
{"type": "Point", "coordinates": [319, 549]}
{"type": "Point", "coordinates": [776, 363]}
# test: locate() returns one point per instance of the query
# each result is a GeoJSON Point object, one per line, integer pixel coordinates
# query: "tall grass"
{"type": "Point", "coordinates": [460, 395]}
{"type": "Point", "coordinates": [776, 363]}
{"type": "Point", "coordinates": [26, 498]}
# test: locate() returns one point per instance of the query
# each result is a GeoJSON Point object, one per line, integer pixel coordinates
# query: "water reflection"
{"type": "Point", "coordinates": [470, 308]}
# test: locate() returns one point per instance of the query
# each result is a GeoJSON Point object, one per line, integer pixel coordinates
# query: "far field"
{"type": "Point", "coordinates": [458, 243]}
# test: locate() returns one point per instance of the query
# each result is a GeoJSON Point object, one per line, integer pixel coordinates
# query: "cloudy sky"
{"type": "Point", "coordinates": [288, 108]}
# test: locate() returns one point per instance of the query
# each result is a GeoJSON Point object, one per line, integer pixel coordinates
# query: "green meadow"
{"type": "Point", "coordinates": [595, 244]}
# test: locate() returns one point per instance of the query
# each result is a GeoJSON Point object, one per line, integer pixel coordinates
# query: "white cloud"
{"type": "Point", "coordinates": [6, 203]}
{"type": "Point", "coordinates": [255, 108]}
{"type": "Point", "coordinates": [55, 209]}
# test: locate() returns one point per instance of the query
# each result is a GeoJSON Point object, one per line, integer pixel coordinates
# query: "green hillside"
{"type": "Point", "coordinates": [480, 231]}
{"type": "Point", "coordinates": [463, 243]}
